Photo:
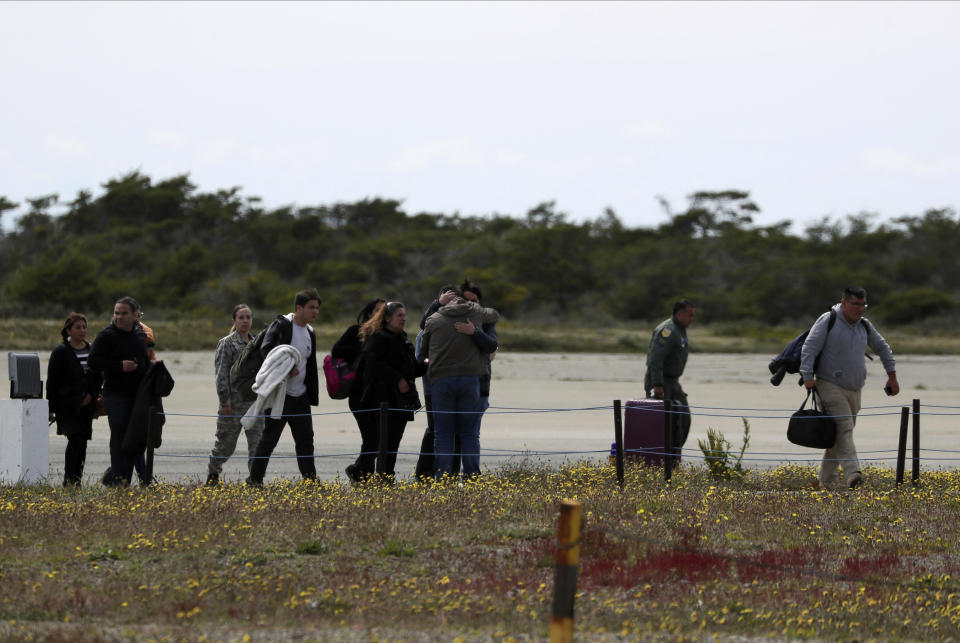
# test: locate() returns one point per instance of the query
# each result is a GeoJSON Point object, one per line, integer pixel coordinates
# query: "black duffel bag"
{"type": "Point", "coordinates": [812, 427]}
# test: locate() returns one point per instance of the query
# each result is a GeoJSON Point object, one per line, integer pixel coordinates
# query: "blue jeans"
{"type": "Point", "coordinates": [456, 405]}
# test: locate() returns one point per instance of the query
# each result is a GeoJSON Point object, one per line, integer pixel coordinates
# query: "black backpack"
{"type": "Point", "coordinates": [243, 371]}
{"type": "Point", "coordinates": [788, 361]}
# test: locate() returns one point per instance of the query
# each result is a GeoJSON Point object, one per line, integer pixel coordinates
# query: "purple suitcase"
{"type": "Point", "coordinates": [643, 430]}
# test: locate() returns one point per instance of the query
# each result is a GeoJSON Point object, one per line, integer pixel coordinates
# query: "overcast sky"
{"type": "Point", "coordinates": [815, 108]}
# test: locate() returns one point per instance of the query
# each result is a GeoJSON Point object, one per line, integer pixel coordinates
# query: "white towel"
{"type": "Point", "coordinates": [270, 384]}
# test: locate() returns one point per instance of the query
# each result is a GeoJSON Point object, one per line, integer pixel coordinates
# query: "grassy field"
{"type": "Point", "coordinates": [202, 334]}
{"type": "Point", "coordinates": [768, 556]}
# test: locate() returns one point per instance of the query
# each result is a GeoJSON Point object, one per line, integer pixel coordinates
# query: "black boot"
{"type": "Point", "coordinates": [354, 473]}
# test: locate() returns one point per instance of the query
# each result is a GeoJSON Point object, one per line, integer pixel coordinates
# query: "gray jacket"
{"type": "Point", "coordinates": [451, 353]}
{"type": "Point", "coordinates": [842, 361]}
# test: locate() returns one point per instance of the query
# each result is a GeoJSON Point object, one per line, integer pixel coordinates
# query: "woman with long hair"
{"type": "Point", "coordinates": [389, 370]}
{"type": "Point", "coordinates": [71, 392]}
{"type": "Point", "coordinates": [348, 348]}
{"type": "Point", "coordinates": [232, 406]}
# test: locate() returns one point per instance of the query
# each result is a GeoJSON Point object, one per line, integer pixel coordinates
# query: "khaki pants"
{"type": "Point", "coordinates": [844, 405]}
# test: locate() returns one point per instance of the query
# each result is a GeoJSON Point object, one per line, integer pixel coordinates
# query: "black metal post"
{"type": "Point", "coordinates": [382, 454]}
{"type": "Point", "coordinates": [915, 478]}
{"type": "Point", "coordinates": [667, 439]}
{"type": "Point", "coordinates": [902, 444]}
{"type": "Point", "coordinates": [618, 437]}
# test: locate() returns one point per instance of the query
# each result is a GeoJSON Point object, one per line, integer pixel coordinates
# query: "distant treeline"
{"type": "Point", "coordinates": [188, 253]}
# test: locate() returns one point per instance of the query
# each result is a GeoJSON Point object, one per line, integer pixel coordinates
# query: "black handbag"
{"type": "Point", "coordinates": [411, 399]}
{"type": "Point", "coordinates": [812, 427]}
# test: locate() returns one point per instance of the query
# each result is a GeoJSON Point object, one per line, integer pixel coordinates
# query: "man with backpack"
{"type": "Point", "coordinates": [302, 387]}
{"type": "Point", "coordinates": [832, 361]}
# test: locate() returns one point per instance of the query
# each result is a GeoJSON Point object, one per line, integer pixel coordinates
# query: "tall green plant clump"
{"type": "Point", "coordinates": [721, 462]}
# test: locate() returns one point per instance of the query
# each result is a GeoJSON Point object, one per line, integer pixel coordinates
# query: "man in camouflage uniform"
{"type": "Point", "coordinates": [666, 359]}
{"type": "Point", "coordinates": [232, 406]}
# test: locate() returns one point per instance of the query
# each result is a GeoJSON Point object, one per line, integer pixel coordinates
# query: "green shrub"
{"type": "Point", "coordinates": [313, 548]}
{"type": "Point", "coordinates": [915, 304]}
{"type": "Point", "coordinates": [721, 462]}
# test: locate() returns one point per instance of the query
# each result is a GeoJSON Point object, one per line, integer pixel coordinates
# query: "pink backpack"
{"type": "Point", "coordinates": [340, 375]}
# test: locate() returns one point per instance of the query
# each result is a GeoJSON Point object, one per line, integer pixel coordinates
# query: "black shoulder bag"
{"type": "Point", "coordinates": [812, 427]}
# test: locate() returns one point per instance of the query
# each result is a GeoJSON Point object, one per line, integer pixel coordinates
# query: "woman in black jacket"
{"type": "Point", "coordinates": [348, 348]}
{"type": "Point", "coordinates": [71, 392]}
{"type": "Point", "coordinates": [389, 370]}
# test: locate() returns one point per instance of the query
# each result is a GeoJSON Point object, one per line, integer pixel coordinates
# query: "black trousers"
{"type": "Point", "coordinates": [74, 458]}
{"type": "Point", "coordinates": [674, 392]}
{"type": "Point", "coordinates": [296, 413]}
{"type": "Point", "coordinates": [369, 436]}
{"type": "Point", "coordinates": [119, 409]}
{"type": "Point", "coordinates": [369, 424]}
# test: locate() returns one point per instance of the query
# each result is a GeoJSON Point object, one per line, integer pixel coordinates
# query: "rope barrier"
{"type": "Point", "coordinates": [790, 410]}
{"type": "Point", "coordinates": [790, 456]}
{"type": "Point", "coordinates": [777, 456]}
{"type": "Point", "coordinates": [782, 457]}
{"type": "Point", "coordinates": [630, 409]}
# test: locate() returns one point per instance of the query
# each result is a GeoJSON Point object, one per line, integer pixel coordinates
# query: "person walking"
{"type": "Point", "coordinates": [72, 390]}
{"type": "Point", "coordinates": [119, 354]}
{"type": "Point", "coordinates": [833, 361]}
{"type": "Point", "coordinates": [456, 365]}
{"type": "Point", "coordinates": [666, 359]}
{"type": "Point", "coordinates": [150, 339]}
{"type": "Point", "coordinates": [232, 406]}
{"type": "Point", "coordinates": [389, 371]}
{"type": "Point", "coordinates": [349, 348]}
{"type": "Point", "coordinates": [302, 388]}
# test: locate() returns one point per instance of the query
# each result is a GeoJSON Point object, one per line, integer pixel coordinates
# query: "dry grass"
{"type": "Point", "coordinates": [768, 556]}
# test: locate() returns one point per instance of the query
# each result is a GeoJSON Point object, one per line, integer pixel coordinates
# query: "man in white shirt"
{"type": "Point", "coordinates": [303, 389]}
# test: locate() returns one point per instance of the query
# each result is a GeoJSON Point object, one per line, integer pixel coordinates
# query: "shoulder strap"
{"type": "Point", "coordinates": [833, 320]}
{"type": "Point", "coordinates": [870, 329]}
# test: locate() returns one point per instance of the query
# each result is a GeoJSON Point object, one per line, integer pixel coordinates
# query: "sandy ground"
{"type": "Point", "coordinates": [558, 407]}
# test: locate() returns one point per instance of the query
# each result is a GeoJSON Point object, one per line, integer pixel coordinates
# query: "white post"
{"type": "Point", "coordinates": [24, 441]}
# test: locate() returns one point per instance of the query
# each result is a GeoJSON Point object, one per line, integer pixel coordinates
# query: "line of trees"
{"type": "Point", "coordinates": [185, 252]}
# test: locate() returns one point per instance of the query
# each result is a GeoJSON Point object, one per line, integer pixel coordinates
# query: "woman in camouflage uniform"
{"type": "Point", "coordinates": [232, 407]}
